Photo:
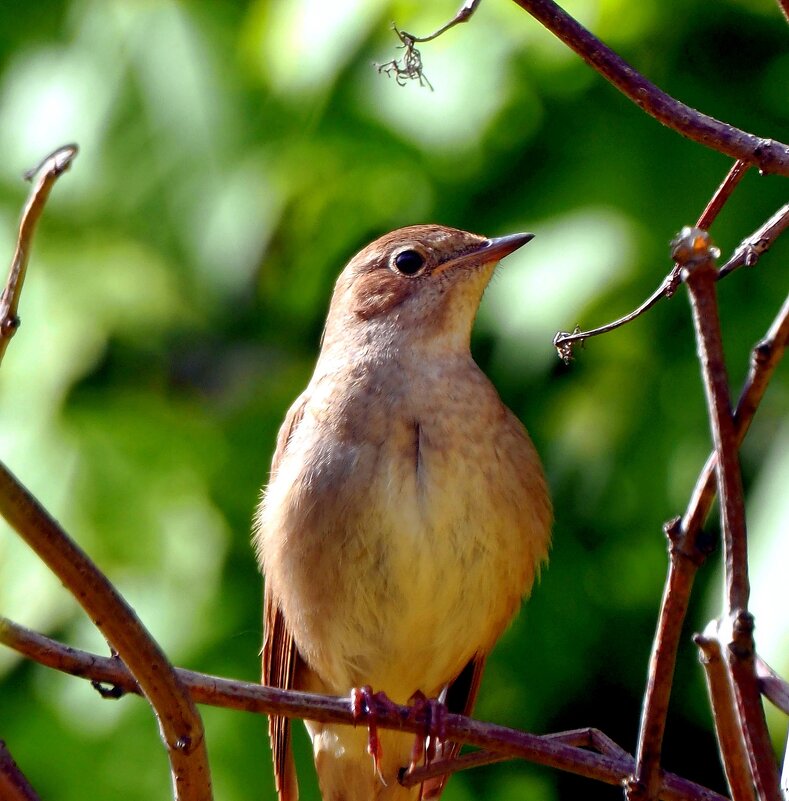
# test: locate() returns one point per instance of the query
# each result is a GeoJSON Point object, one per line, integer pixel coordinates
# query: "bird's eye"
{"type": "Point", "coordinates": [409, 262]}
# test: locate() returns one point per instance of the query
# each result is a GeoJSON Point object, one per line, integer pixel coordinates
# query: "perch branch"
{"type": "Point", "coordinates": [610, 767]}
{"type": "Point", "coordinates": [14, 785]}
{"type": "Point", "coordinates": [768, 155]}
{"type": "Point", "coordinates": [694, 252]}
{"type": "Point", "coordinates": [564, 341]}
{"type": "Point", "coordinates": [179, 721]}
{"type": "Point", "coordinates": [50, 169]}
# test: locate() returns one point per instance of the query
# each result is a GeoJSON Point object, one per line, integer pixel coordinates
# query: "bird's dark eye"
{"type": "Point", "coordinates": [409, 262]}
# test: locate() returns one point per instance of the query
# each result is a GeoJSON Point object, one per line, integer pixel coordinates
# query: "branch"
{"type": "Point", "coordinates": [686, 556]}
{"type": "Point", "coordinates": [750, 250]}
{"type": "Point", "coordinates": [731, 743]}
{"type": "Point", "coordinates": [14, 786]}
{"type": "Point", "coordinates": [768, 155]}
{"type": "Point", "coordinates": [179, 721]}
{"type": "Point", "coordinates": [694, 252]}
{"type": "Point", "coordinates": [773, 687]}
{"type": "Point", "coordinates": [583, 738]}
{"type": "Point", "coordinates": [51, 169]}
{"type": "Point", "coordinates": [564, 341]}
{"type": "Point", "coordinates": [611, 767]}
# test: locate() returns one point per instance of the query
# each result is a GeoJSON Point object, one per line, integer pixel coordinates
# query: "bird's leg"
{"type": "Point", "coordinates": [364, 705]}
{"type": "Point", "coordinates": [433, 714]}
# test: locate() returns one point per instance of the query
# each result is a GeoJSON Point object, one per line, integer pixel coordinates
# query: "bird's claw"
{"type": "Point", "coordinates": [364, 706]}
{"type": "Point", "coordinates": [432, 713]}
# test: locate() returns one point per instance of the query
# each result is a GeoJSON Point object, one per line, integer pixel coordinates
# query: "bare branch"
{"type": "Point", "coordinates": [50, 169]}
{"type": "Point", "coordinates": [695, 254]}
{"type": "Point", "coordinates": [768, 155]}
{"type": "Point", "coordinates": [724, 713]}
{"type": "Point", "coordinates": [773, 687]}
{"type": "Point", "coordinates": [564, 341]}
{"type": "Point", "coordinates": [464, 14]}
{"type": "Point", "coordinates": [14, 785]}
{"type": "Point", "coordinates": [179, 721]}
{"type": "Point", "coordinates": [611, 767]}
{"type": "Point", "coordinates": [750, 250]}
{"type": "Point", "coordinates": [582, 738]}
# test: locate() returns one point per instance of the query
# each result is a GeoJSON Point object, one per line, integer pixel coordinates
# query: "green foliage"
{"type": "Point", "coordinates": [233, 156]}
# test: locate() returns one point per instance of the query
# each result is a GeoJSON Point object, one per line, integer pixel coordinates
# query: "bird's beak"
{"type": "Point", "coordinates": [501, 246]}
{"type": "Point", "coordinates": [490, 250]}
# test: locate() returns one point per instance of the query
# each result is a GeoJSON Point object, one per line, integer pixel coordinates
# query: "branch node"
{"type": "Point", "coordinates": [564, 342]}
{"type": "Point", "coordinates": [108, 691]}
{"type": "Point", "coordinates": [692, 248]}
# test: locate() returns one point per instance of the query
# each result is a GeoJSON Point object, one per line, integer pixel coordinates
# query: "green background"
{"type": "Point", "coordinates": [233, 157]}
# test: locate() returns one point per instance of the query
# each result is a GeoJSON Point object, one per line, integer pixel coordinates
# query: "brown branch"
{"type": "Point", "coordinates": [768, 155]}
{"type": "Point", "coordinates": [694, 252]}
{"type": "Point", "coordinates": [582, 738]}
{"type": "Point", "coordinates": [773, 687]}
{"type": "Point", "coordinates": [610, 767]}
{"type": "Point", "coordinates": [179, 721]}
{"type": "Point", "coordinates": [14, 785]}
{"type": "Point", "coordinates": [564, 341]}
{"type": "Point", "coordinates": [50, 169]}
{"type": "Point", "coordinates": [731, 743]}
{"type": "Point", "coordinates": [685, 558]}
{"type": "Point", "coordinates": [750, 250]}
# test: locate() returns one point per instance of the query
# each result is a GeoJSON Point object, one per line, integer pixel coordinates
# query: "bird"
{"type": "Point", "coordinates": [406, 514]}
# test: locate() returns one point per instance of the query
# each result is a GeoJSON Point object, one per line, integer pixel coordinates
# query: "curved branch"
{"type": "Point", "coordinates": [179, 721]}
{"type": "Point", "coordinates": [611, 767]}
{"type": "Point", "coordinates": [768, 155]}
{"type": "Point", "coordinates": [50, 168]}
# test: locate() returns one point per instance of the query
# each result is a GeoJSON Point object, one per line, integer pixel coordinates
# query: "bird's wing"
{"type": "Point", "coordinates": [460, 698]}
{"type": "Point", "coordinates": [280, 656]}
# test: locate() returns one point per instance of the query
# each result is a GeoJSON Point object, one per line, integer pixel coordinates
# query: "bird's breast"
{"type": "Point", "coordinates": [405, 522]}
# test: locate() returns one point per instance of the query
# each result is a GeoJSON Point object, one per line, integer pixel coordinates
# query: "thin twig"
{"type": "Point", "coordinates": [179, 721]}
{"type": "Point", "coordinates": [564, 341]}
{"type": "Point", "coordinates": [750, 250]}
{"type": "Point", "coordinates": [731, 744]}
{"type": "Point", "coordinates": [49, 170]}
{"type": "Point", "coordinates": [768, 155]}
{"type": "Point", "coordinates": [694, 252]}
{"type": "Point", "coordinates": [581, 738]}
{"type": "Point", "coordinates": [464, 14]}
{"type": "Point", "coordinates": [773, 687]}
{"type": "Point", "coordinates": [14, 785]}
{"type": "Point", "coordinates": [611, 767]}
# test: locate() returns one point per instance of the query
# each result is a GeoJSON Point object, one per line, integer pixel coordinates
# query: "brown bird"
{"type": "Point", "coordinates": [407, 513]}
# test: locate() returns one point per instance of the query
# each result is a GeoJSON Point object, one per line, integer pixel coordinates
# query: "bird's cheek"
{"type": "Point", "coordinates": [378, 295]}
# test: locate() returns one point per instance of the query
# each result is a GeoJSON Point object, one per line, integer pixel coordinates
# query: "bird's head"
{"type": "Point", "coordinates": [419, 285]}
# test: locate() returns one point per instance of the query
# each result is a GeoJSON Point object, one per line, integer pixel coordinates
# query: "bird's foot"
{"type": "Point", "coordinates": [365, 705]}
{"type": "Point", "coordinates": [432, 714]}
